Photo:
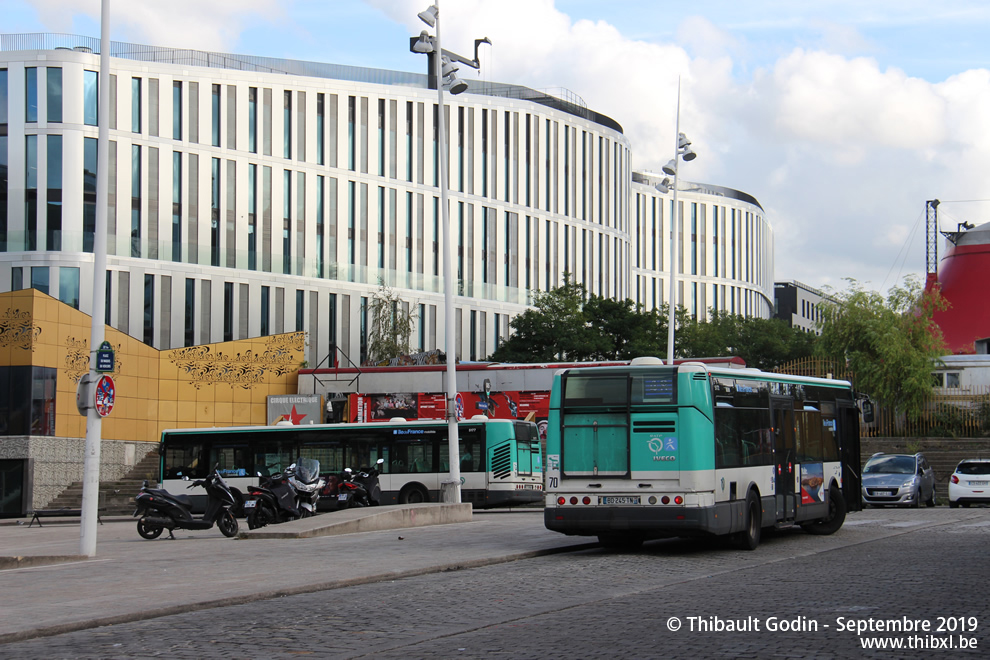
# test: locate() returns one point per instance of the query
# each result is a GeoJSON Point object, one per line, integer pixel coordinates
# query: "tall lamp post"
{"type": "Point", "coordinates": [443, 73]}
{"type": "Point", "coordinates": [682, 150]}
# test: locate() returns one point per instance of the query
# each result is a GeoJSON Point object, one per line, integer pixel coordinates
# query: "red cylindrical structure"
{"type": "Point", "coordinates": [964, 275]}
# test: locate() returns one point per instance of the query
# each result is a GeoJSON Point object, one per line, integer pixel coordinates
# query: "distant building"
{"type": "Point", "coordinates": [799, 305]}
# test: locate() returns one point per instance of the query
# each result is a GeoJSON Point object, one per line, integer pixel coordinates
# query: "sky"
{"type": "Point", "coordinates": [842, 117]}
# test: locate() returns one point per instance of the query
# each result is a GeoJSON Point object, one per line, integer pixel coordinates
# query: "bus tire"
{"type": "Point", "coordinates": [413, 495]}
{"type": "Point", "coordinates": [831, 523]}
{"type": "Point", "coordinates": [749, 537]}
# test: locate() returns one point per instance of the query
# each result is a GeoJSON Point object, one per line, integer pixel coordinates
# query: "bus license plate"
{"type": "Point", "coordinates": [250, 504]}
{"type": "Point", "coordinates": [612, 499]}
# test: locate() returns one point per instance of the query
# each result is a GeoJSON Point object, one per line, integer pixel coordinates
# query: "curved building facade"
{"type": "Point", "coordinates": [252, 196]}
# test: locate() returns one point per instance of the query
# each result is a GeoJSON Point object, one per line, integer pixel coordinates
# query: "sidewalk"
{"type": "Point", "coordinates": [133, 579]}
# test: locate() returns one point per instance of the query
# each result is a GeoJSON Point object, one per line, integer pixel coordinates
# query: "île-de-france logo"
{"type": "Point", "coordinates": [660, 448]}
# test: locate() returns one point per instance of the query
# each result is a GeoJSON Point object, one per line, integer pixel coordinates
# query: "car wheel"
{"type": "Point", "coordinates": [931, 500]}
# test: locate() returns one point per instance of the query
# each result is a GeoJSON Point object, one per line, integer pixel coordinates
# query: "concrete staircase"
{"type": "Point", "coordinates": [943, 454]}
{"type": "Point", "coordinates": [116, 497]}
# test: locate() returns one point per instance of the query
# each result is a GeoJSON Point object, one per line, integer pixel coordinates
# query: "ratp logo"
{"type": "Point", "coordinates": [660, 445]}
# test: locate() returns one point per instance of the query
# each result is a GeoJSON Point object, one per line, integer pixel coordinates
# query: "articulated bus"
{"type": "Point", "coordinates": [501, 460]}
{"type": "Point", "coordinates": [650, 451]}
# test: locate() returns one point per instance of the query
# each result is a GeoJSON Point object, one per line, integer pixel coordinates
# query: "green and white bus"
{"type": "Point", "coordinates": [501, 460]}
{"type": "Point", "coordinates": [650, 451]}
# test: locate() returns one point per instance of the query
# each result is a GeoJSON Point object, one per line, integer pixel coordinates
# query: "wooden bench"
{"type": "Point", "coordinates": [60, 513]}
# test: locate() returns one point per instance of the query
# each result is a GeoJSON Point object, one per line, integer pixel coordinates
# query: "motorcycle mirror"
{"type": "Point", "coordinates": [380, 461]}
{"type": "Point", "coordinates": [185, 477]}
{"type": "Point", "coordinates": [347, 470]}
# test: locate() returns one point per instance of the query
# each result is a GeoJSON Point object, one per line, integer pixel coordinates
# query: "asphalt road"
{"type": "Point", "coordinates": [920, 570]}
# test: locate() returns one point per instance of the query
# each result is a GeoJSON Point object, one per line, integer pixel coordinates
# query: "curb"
{"type": "Point", "coordinates": [7, 563]}
{"type": "Point", "coordinates": [132, 617]}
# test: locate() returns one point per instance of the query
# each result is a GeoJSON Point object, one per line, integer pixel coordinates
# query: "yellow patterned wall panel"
{"type": "Point", "coordinates": [210, 385]}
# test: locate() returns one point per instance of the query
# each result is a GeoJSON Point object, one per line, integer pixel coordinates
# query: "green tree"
{"type": "Point", "coordinates": [762, 343]}
{"type": "Point", "coordinates": [392, 321]}
{"type": "Point", "coordinates": [890, 344]}
{"type": "Point", "coordinates": [554, 330]}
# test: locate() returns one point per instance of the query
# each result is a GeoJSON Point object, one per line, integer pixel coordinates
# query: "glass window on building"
{"type": "Point", "coordinates": [27, 400]}
{"type": "Point", "coordinates": [31, 94]}
{"type": "Point", "coordinates": [31, 190]}
{"type": "Point", "coordinates": [176, 110]}
{"type": "Point", "coordinates": [53, 211]}
{"type": "Point", "coordinates": [40, 278]}
{"type": "Point", "coordinates": [91, 98]}
{"type": "Point", "coordinates": [265, 311]}
{"type": "Point", "coordinates": [149, 309]}
{"type": "Point", "coordinates": [68, 285]}
{"type": "Point", "coordinates": [54, 76]}
{"type": "Point", "coordinates": [135, 105]}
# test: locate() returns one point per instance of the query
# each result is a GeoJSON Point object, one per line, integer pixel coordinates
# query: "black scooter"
{"type": "Point", "coordinates": [272, 501]}
{"type": "Point", "coordinates": [159, 509]}
{"type": "Point", "coordinates": [361, 488]}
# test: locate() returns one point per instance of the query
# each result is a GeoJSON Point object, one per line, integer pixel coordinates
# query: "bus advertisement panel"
{"type": "Point", "coordinates": [528, 406]}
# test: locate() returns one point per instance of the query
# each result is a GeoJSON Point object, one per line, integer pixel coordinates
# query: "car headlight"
{"type": "Point", "coordinates": [910, 482]}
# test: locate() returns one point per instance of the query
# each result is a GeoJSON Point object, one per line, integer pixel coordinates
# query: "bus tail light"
{"type": "Point", "coordinates": [678, 500]}
{"type": "Point", "coordinates": [561, 501]}
{"type": "Point", "coordinates": [574, 500]}
{"type": "Point", "coordinates": [665, 500]}
{"type": "Point", "coordinates": [586, 500]}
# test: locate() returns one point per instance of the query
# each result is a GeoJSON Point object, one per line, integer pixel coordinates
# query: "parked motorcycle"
{"type": "Point", "coordinates": [304, 477]}
{"type": "Point", "coordinates": [272, 501]}
{"type": "Point", "coordinates": [159, 509]}
{"type": "Point", "coordinates": [360, 488]}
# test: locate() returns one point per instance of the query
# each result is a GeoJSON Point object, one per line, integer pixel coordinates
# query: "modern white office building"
{"type": "Point", "coordinates": [251, 196]}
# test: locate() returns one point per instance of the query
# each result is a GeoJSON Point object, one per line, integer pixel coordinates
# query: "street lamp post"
{"type": "Point", "coordinates": [444, 71]}
{"type": "Point", "coordinates": [682, 150]}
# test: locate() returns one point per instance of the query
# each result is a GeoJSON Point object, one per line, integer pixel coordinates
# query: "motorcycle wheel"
{"type": "Point", "coordinates": [227, 524]}
{"type": "Point", "coordinates": [147, 531]}
{"type": "Point", "coordinates": [261, 516]}
{"type": "Point", "coordinates": [305, 513]}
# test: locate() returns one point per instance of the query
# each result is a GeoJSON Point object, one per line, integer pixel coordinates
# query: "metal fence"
{"type": "Point", "coordinates": [947, 411]}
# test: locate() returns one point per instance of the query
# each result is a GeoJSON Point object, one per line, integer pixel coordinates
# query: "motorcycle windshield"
{"type": "Point", "coordinates": [307, 470]}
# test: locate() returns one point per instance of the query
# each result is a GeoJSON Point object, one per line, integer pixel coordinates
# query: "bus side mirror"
{"type": "Point", "coordinates": [868, 413]}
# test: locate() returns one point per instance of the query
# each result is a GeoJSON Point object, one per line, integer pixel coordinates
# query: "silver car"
{"type": "Point", "coordinates": [898, 480]}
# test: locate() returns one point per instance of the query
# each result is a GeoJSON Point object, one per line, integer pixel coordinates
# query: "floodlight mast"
{"type": "Point", "coordinates": [443, 72]}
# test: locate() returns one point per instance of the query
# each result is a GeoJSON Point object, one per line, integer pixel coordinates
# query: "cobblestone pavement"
{"type": "Point", "coordinates": [926, 566]}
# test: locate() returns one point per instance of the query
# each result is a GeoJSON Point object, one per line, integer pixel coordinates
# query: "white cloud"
{"type": "Point", "coordinates": [200, 24]}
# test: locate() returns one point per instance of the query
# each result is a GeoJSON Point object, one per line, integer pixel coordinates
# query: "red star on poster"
{"type": "Point", "coordinates": [293, 417]}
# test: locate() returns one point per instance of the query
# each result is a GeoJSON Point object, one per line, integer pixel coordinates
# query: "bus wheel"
{"type": "Point", "coordinates": [831, 523]}
{"type": "Point", "coordinates": [413, 495]}
{"type": "Point", "coordinates": [749, 538]}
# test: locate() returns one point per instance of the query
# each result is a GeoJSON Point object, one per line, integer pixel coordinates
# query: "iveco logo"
{"type": "Point", "coordinates": [666, 457]}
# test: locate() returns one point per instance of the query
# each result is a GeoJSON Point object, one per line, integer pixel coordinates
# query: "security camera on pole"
{"type": "Point", "coordinates": [444, 72]}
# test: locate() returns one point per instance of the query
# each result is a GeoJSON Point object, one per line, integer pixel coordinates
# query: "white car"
{"type": "Point", "coordinates": [970, 483]}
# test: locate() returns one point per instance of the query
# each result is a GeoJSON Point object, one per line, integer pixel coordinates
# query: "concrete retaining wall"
{"type": "Point", "coordinates": [58, 462]}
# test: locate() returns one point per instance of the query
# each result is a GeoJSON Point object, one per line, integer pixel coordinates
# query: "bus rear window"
{"type": "Point", "coordinates": [582, 391]}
